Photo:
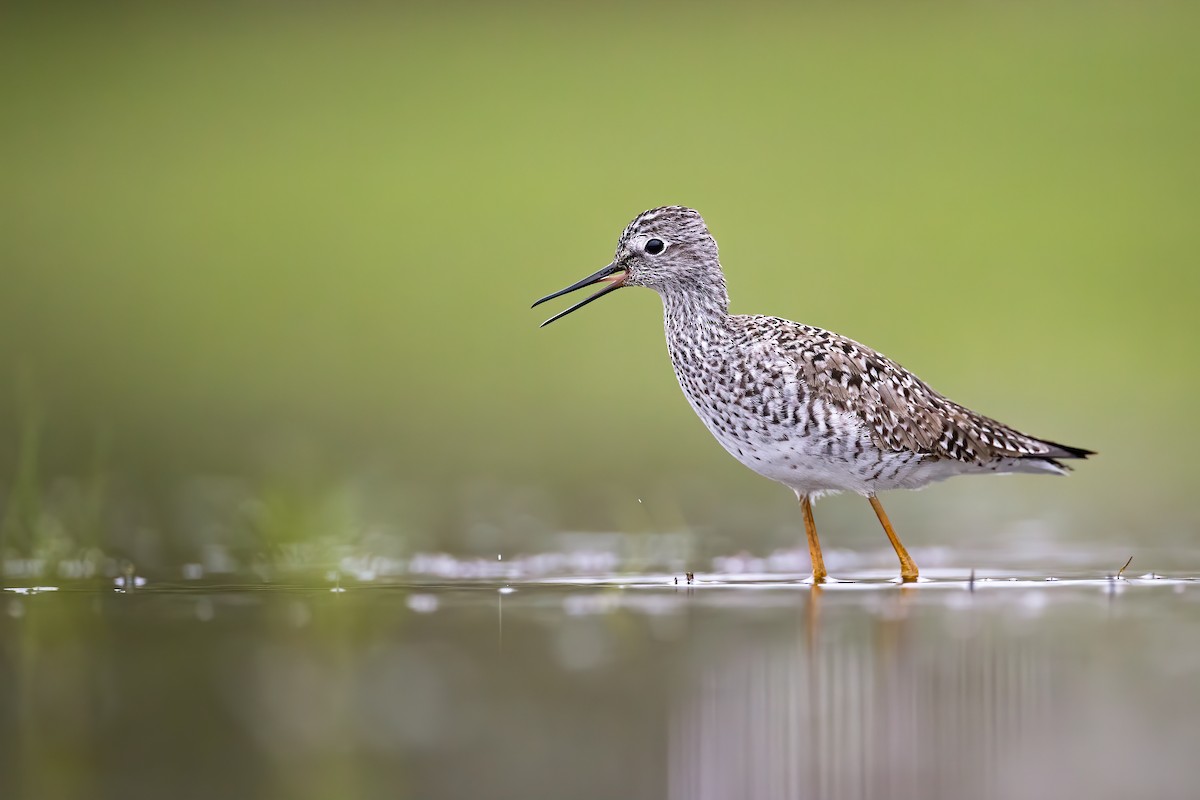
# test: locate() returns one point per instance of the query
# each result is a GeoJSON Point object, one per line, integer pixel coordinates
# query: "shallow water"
{"type": "Point", "coordinates": [631, 686]}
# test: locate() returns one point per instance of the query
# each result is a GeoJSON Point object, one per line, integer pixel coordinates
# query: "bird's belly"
{"type": "Point", "coordinates": [814, 451]}
{"type": "Point", "coordinates": [820, 449]}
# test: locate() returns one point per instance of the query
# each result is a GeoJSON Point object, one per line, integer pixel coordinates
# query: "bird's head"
{"type": "Point", "coordinates": [667, 249]}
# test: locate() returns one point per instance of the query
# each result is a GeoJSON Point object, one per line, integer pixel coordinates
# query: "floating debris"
{"type": "Point", "coordinates": [1122, 569]}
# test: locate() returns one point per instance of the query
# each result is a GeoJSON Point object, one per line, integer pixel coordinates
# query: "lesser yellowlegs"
{"type": "Point", "coordinates": [803, 406]}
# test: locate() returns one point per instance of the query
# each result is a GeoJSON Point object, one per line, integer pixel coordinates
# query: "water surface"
{"type": "Point", "coordinates": [606, 686]}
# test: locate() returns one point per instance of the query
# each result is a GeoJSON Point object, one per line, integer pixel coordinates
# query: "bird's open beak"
{"type": "Point", "coordinates": [613, 275]}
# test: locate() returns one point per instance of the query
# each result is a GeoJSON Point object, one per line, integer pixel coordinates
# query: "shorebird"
{"type": "Point", "coordinates": [806, 407]}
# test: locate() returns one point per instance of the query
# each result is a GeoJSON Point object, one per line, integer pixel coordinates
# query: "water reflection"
{"type": "Point", "coordinates": [860, 711]}
{"type": "Point", "coordinates": [632, 687]}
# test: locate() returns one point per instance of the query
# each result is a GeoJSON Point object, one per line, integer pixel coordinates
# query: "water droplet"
{"type": "Point", "coordinates": [129, 582]}
{"type": "Point", "coordinates": [422, 603]}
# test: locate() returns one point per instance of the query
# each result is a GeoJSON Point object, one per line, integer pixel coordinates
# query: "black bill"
{"type": "Point", "coordinates": [613, 275]}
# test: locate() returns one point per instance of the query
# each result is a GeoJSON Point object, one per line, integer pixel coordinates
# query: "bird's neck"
{"type": "Point", "coordinates": [698, 310]}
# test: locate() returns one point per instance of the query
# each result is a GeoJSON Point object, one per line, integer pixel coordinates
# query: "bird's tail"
{"type": "Point", "coordinates": [1048, 462]}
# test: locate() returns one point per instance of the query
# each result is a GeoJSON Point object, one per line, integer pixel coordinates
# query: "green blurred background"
{"type": "Point", "coordinates": [266, 268]}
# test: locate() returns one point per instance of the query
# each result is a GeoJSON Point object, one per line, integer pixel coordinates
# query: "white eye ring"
{"type": "Point", "coordinates": [654, 246]}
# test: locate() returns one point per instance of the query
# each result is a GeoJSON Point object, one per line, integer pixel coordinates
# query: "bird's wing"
{"type": "Point", "coordinates": [901, 411]}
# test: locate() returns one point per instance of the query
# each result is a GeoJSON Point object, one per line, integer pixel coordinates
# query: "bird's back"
{"type": "Point", "coordinates": [900, 410]}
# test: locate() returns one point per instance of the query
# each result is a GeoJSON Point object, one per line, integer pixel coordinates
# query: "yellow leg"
{"type": "Point", "coordinates": [908, 569]}
{"type": "Point", "coordinates": [814, 545]}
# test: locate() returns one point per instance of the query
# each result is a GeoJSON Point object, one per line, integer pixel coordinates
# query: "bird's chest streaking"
{"type": "Point", "coordinates": [755, 403]}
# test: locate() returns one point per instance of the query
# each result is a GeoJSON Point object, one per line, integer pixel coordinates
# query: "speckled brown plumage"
{"type": "Point", "coordinates": [901, 412]}
{"type": "Point", "coordinates": [809, 408]}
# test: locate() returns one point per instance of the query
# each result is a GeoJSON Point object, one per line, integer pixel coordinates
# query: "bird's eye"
{"type": "Point", "coordinates": [655, 246]}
